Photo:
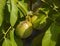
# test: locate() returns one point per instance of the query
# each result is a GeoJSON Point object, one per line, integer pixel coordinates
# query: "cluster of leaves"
{"type": "Point", "coordinates": [14, 11]}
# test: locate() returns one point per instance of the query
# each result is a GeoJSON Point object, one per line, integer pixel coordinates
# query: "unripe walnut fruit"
{"type": "Point", "coordinates": [24, 29]}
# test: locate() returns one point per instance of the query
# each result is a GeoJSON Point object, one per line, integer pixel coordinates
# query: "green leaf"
{"type": "Point", "coordinates": [58, 41]}
{"type": "Point", "coordinates": [44, 8]}
{"type": "Point", "coordinates": [37, 21]}
{"type": "Point", "coordinates": [14, 13]}
{"type": "Point", "coordinates": [37, 40]}
{"type": "Point", "coordinates": [8, 4]}
{"type": "Point", "coordinates": [53, 14]}
{"type": "Point", "coordinates": [23, 7]}
{"type": "Point", "coordinates": [42, 23]}
{"type": "Point", "coordinates": [51, 35]}
{"type": "Point", "coordinates": [53, 3]}
{"type": "Point", "coordinates": [56, 2]}
{"type": "Point", "coordinates": [21, 14]}
{"type": "Point", "coordinates": [6, 42]}
{"type": "Point", "coordinates": [2, 4]}
{"type": "Point", "coordinates": [13, 42]}
{"type": "Point", "coordinates": [18, 41]}
{"type": "Point", "coordinates": [50, 2]}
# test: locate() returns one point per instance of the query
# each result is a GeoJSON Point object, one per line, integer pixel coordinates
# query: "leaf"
{"type": "Point", "coordinates": [21, 14]}
{"type": "Point", "coordinates": [18, 41]}
{"type": "Point", "coordinates": [54, 15]}
{"type": "Point", "coordinates": [50, 2]}
{"type": "Point", "coordinates": [22, 0]}
{"type": "Point", "coordinates": [13, 42]}
{"type": "Point", "coordinates": [22, 7]}
{"type": "Point", "coordinates": [8, 4]}
{"type": "Point", "coordinates": [2, 4]}
{"type": "Point", "coordinates": [14, 13]}
{"type": "Point", "coordinates": [58, 40]}
{"type": "Point", "coordinates": [37, 21]}
{"type": "Point", "coordinates": [42, 23]}
{"type": "Point", "coordinates": [6, 42]}
{"type": "Point", "coordinates": [56, 2]}
{"type": "Point", "coordinates": [53, 3]}
{"type": "Point", "coordinates": [37, 40]}
{"type": "Point", "coordinates": [44, 8]}
{"type": "Point", "coordinates": [50, 37]}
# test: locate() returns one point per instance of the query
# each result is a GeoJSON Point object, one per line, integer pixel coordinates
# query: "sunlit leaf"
{"type": "Point", "coordinates": [6, 42]}
{"type": "Point", "coordinates": [13, 42]}
{"type": "Point", "coordinates": [45, 10]}
{"type": "Point", "coordinates": [14, 13]}
{"type": "Point", "coordinates": [2, 4]}
{"type": "Point", "coordinates": [22, 7]}
{"type": "Point", "coordinates": [50, 37]}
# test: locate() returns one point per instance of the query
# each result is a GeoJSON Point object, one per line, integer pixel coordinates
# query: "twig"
{"type": "Point", "coordinates": [7, 32]}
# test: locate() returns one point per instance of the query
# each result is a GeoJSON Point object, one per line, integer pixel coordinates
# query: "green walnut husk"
{"type": "Point", "coordinates": [24, 29]}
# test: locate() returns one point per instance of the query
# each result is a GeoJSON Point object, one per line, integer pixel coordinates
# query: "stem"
{"type": "Point", "coordinates": [7, 31]}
